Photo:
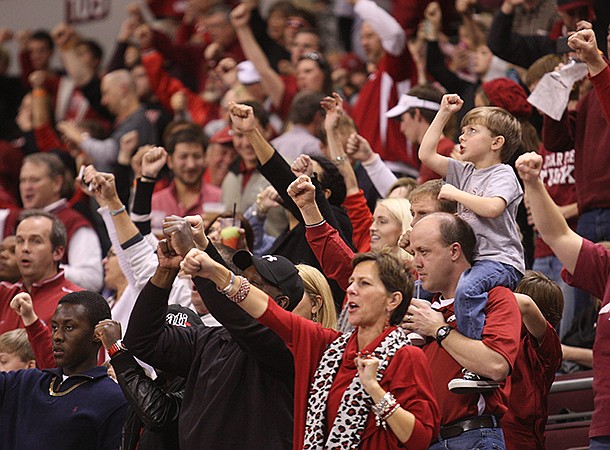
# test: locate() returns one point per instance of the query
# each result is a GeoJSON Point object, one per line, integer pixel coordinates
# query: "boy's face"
{"type": "Point", "coordinates": [476, 143]}
{"type": "Point", "coordinates": [11, 361]}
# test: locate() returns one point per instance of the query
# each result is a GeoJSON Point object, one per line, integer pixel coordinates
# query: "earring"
{"type": "Point", "coordinates": [314, 316]}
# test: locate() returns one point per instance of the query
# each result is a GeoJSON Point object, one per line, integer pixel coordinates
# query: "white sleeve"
{"type": "Point", "coordinates": [393, 37]}
{"type": "Point", "coordinates": [380, 174]}
{"type": "Point", "coordinates": [181, 292]}
{"type": "Point", "coordinates": [114, 240]}
{"type": "Point", "coordinates": [84, 266]}
{"type": "Point", "coordinates": [103, 153]}
{"type": "Point", "coordinates": [143, 262]}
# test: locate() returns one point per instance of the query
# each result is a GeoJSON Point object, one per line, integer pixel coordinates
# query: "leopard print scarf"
{"type": "Point", "coordinates": [355, 404]}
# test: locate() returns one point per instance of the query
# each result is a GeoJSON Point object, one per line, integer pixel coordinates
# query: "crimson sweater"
{"type": "Point", "coordinates": [586, 131]}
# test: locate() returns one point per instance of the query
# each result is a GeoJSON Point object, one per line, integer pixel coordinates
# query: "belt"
{"type": "Point", "coordinates": [456, 428]}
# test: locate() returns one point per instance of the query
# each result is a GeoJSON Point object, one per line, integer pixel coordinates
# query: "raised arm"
{"type": "Point", "coordinates": [549, 222]}
{"type": "Point", "coordinates": [334, 110]}
{"type": "Point", "coordinates": [585, 45]}
{"type": "Point", "coordinates": [237, 289]}
{"type": "Point", "coordinates": [154, 407]}
{"type": "Point", "coordinates": [450, 104]}
{"type": "Point", "coordinates": [242, 118]}
{"type": "Point", "coordinates": [532, 318]}
{"type": "Point", "coordinates": [272, 83]}
{"type": "Point", "coordinates": [66, 40]}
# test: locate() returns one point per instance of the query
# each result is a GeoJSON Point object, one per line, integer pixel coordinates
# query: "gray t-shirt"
{"type": "Point", "coordinates": [497, 239]}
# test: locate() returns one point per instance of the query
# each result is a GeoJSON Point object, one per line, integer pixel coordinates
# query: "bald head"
{"type": "Point", "coordinates": [450, 228]}
{"type": "Point", "coordinates": [443, 246]}
{"type": "Point", "coordinates": [118, 91]}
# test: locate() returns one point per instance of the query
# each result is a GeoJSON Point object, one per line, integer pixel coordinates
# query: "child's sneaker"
{"type": "Point", "coordinates": [471, 383]}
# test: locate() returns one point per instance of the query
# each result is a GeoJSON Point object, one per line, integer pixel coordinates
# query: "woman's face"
{"type": "Point", "coordinates": [309, 76]}
{"type": "Point", "coordinates": [113, 274]}
{"type": "Point", "coordinates": [384, 231]}
{"type": "Point", "coordinates": [276, 24]}
{"type": "Point", "coordinates": [306, 307]}
{"type": "Point", "coordinates": [367, 297]}
{"type": "Point", "coordinates": [214, 232]}
{"type": "Point", "coordinates": [482, 60]}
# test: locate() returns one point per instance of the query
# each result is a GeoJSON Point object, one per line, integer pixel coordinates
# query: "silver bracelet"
{"type": "Point", "coordinates": [228, 287]}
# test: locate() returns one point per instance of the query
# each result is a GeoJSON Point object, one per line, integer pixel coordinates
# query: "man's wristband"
{"type": "Point", "coordinates": [117, 347]}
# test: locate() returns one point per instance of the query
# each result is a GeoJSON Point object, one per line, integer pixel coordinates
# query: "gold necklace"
{"type": "Point", "coordinates": [67, 391]}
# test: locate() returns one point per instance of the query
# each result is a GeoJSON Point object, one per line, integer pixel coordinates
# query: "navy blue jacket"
{"type": "Point", "coordinates": [89, 417]}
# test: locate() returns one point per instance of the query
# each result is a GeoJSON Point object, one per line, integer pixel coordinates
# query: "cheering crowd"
{"type": "Point", "coordinates": [306, 225]}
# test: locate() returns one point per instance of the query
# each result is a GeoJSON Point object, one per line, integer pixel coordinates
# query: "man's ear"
{"type": "Point", "coordinates": [282, 300]}
{"type": "Point", "coordinates": [58, 253]}
{"type": "Point", "coordinates": [58, 183]}
{"type": "Point", "coordinates": [327, 193]}
{"type": "Point", "coordinates": [456, 251]}
{"type": "Point", "coordinates": [170, 163]}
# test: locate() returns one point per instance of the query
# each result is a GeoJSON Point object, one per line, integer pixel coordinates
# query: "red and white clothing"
{"type": "Point", "coordinates": [592, 274]}
{"type": "Point", "coordinates": [332, 253]}
{"type": "Point", "coordinates": [524, 422]}
{"type": "Point", "coordinates": [407, 377]}
{"type": "Point", "coordinates": [165, 86]}
{"type": "Point", "coordinates": [82, 261]}
{"type": "Point", "coordinates": [394, 76]}
{"type": "Point", "coordinates": [501, 334]}
{"type": "Point", "coordinates": [587, 131]}
{"type": "Point", "coordinates": [45, 297]}
{"type": "Point", "coordinates": [558, 177]}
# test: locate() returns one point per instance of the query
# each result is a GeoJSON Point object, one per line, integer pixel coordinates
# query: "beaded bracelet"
{"type": "Point", "coordinates": [386, 417]}
{"type": "Point", "coordinates": [384, 408]}
{"type": "Point", "coordinates": [242, 292]}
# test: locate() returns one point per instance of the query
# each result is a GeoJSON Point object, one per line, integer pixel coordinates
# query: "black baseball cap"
{"type": "Point", "coordinates": [277, 270]}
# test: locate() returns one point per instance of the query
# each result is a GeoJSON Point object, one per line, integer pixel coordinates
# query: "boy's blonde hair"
{"type": "Point", "coordinates": [500, 123]}
{"type": "Point", "coordinates": [315, 284]}
{"type": "Point", "coordinates": [16, 342]}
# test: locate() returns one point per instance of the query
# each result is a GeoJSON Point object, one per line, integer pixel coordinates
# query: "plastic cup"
{"type": "Point", "coordinates": [229, 232]}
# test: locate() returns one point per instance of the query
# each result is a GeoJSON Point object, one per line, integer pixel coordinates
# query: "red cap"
{"type": "Point", "coordinates": [224, 136]}
{"type": "Point", "coordinates": [509, 95]}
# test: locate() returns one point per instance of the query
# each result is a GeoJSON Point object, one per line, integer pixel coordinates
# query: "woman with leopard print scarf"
{"type": "Point", "coordinates": [363, 390]}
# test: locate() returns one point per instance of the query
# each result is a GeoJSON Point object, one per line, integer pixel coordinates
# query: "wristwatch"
{"type": "Point", "coordinates": [442, 333]}
{"type": "Point", "coordinates": [116, 348]}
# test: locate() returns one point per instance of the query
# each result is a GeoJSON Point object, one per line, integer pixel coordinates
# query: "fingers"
{"type": "Point", "coordinates": [241, 111]}
{"type": "Point", "coordinates": [166, 249]}
{"type": "Point", "coordinates": [194, 221]}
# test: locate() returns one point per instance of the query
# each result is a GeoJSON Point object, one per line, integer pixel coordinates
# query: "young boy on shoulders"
{"type": "Point", "coordinates": [488, 193]}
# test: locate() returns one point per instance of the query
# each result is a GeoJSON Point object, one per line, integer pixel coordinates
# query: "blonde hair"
{"type": "Point", "coordinates": [500, 123]}
{"type": "Point", "coordinates": [16, 341]}
{"type": "Point", "coordinates": [399, 209]}
{"type": "Point", "coordinates": [316, 285]}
